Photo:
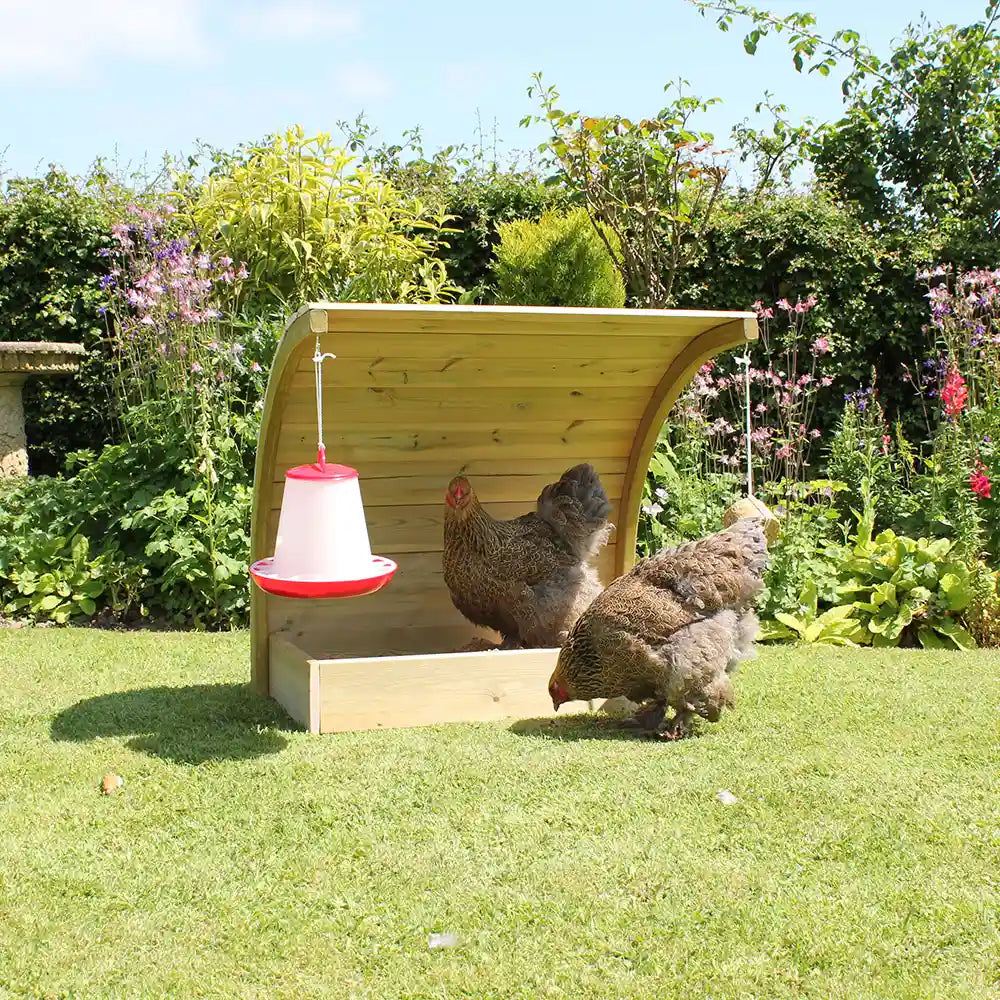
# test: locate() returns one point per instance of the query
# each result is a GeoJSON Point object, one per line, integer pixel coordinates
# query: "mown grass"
{"type": "Point", "coordinates": [245, 859]}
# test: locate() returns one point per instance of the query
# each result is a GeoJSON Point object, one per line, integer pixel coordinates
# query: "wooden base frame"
{"type": "Point", "coordinates": [391, 692]}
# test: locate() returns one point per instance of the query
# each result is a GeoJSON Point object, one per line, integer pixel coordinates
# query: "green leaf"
{"type": "Point", "coordinates": [953, 631]}
{"type": "Point", "coordinates": [929, 639]}
{"type": "Point", "coordinates": [791, 622]}
{"type": "Point", "coordinates": [836, 614]}
{"type": "Point", "coordinates": [957, 592]}
{"type": "Point", "coordinates": [809, 597]}
{"type": "Point", "coordinates": [49, 602]}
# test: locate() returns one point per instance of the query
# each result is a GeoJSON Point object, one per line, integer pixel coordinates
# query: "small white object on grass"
{"type": "Point", "coordinates": [445, 940]}
{"type": "Point", "coordinates": [726, 797]}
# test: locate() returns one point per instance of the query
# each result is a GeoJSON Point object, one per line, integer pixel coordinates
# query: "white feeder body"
{"type": "Point", "coordinates": [322, 534]}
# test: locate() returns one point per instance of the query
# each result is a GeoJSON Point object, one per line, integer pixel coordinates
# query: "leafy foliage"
{"type": "Point", "coordinates": [917, 146]}
{"type": "Point", "coordinates": [558, 261]}
{"type": "Point", "coordinates": [311, 224]}
{"type": "Point", "coordinates": [870, 305]}
{"type": "Point", "coordinates": [891, 591]}
{"type": "Point", "coordinates": [678, 502]}
{"type": "Point", "coordinates": [135, 532]}
{"type": "Point", "coordinates": [51, 229]}
{"type": "Point", "coordinates": [653, 184]}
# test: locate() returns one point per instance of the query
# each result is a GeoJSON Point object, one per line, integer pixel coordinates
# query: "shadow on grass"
{"type": "Point", "coordinates": [578, 727]}
{"type": "Point", "coordinates": [187, 725]}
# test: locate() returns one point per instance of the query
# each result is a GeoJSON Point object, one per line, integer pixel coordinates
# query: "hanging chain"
{"type": "Point", "coordinates": [318, 360]}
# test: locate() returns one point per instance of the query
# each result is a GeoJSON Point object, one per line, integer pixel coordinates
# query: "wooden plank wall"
{"type": "Point", "coordinates": [411, 401]}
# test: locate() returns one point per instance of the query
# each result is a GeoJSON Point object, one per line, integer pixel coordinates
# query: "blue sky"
{"type": "Point", "coordinates": [80, 78]}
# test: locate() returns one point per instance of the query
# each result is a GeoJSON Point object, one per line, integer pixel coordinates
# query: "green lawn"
{"type": "Point", "coordinates": [245, 859]}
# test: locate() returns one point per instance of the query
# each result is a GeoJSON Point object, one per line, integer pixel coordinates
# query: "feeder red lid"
{"type": "Point", "coordinates": [326, 471]}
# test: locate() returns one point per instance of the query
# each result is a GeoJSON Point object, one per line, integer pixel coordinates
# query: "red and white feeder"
{"type": "Point", "coordinates": [322, 548]}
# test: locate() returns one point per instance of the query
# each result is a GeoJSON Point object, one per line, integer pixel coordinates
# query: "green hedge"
{"type": "Point", "coordinates": [52, 230]}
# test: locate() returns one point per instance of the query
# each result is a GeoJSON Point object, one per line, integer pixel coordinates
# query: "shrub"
{"type": "Point", "coordinates": [870, 306]}
{"type": "Point", "coordinates": [51, 229]}
{"type": "Point", "coordinates": [309, 223]}
{"type": "Point", "coordinates": [891, 591]}
{"type": "Point", "coordinates": [137, 531]}
{"type": "Point", "coordinates": [480, 201]}
{"type": "Point", "coordinates": [558, 261]}
{"type": "Point", "coordinates": [865, 448]}
{"type": "Point", "coordinates": [708, 422]}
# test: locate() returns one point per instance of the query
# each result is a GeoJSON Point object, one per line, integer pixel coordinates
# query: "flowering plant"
{"type": "Point", "coordinates": [783, 400]}
{"type": "Point", "coordinates": [171, 330]}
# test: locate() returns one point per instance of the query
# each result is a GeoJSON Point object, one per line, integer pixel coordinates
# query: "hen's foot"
{"type": "Point", "coordinates": [647, 717]}
{"type": "Point", "coordinates": [678, 728]}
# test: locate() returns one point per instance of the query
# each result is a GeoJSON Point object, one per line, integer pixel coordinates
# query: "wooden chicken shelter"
{"type": "Point", "coordinates": [511, 397]}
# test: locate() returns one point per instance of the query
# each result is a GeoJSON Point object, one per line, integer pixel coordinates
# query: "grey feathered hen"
{"type": "Point", "coordinates": [670, 631]}
{"type": "Point", "coordinates": [528, 578]}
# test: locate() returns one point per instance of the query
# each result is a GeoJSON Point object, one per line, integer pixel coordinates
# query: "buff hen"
{"type": "Point", "coordinates": [670, 631]}
{"type": "Point", "coordinates": [528, 578]}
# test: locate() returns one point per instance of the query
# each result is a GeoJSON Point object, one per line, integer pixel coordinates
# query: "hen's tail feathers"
{"type": "Point", "coordinates": [577, 508]}
{"type": "Point", "coordinates": [723, 570]}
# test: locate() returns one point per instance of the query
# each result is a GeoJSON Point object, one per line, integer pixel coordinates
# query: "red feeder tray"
{"type": "Point", "coordinates": [382, 571]}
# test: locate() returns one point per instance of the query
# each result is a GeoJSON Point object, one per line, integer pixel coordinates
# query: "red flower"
{"type": "Point", "coordinates": [979, 482]}
{"type": "Point", "coordinates": [955, 393]}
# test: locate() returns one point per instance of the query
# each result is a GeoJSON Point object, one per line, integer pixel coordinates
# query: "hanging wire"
{"type": "Point", "coordinates": [318, 360]}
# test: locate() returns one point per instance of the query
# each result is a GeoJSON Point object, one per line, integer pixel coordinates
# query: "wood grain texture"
{"type": "Point", "coordinates": [511, 320]}
{"type": "Point", "coordinates": [294, 682]}
{"type": "Point", "coordinates": [731, 333]}
{"type": "Point", "coordinates": [261, 530]}
{"type": "Point", "coordinates": [381, 372]}
{"type": "Point", "coordinates": [396, 692]}
{"type": "Point", "coordinates": [414, 613]}
{"type": "Point", "coordinates": [511, 397]}
{"type": "Point", "coordinates": [563, 443]}
{"type": "Point", "coordinates": [408, 406]}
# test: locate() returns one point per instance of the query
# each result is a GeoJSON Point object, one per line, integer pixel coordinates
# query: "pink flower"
{"type": "Point", "coordinates": [820, 346]}
{"type": "Point", "coordinates": [979, 482]}
{"type": "Point", "coordinates": [814, 433]}
{"type": "Point", "coordinates": [255, 367]}
{"type": "Point", "coordinates": [785, 451]}
{"type": "Point", "coordinates": [760, 408]}
{"type": "Point", "coordinates": [825, 381]}
{"type": "Point", "coordinates": [195, 367]}
{"type": "Point", "coordinates": [785, 304]}
{"type": "Point", "coordinates": [955, 393]}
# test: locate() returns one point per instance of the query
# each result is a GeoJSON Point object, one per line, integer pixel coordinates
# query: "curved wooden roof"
{"type": "Point", "coordinates": [510, 396]}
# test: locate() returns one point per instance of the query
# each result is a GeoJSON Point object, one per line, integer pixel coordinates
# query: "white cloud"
{"type": "Point", "coordinates": [59, 40]}
{"type": "Point", "coordinates": [299, 20]}
{"type": "Point", "coordinates": [362, 81]}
